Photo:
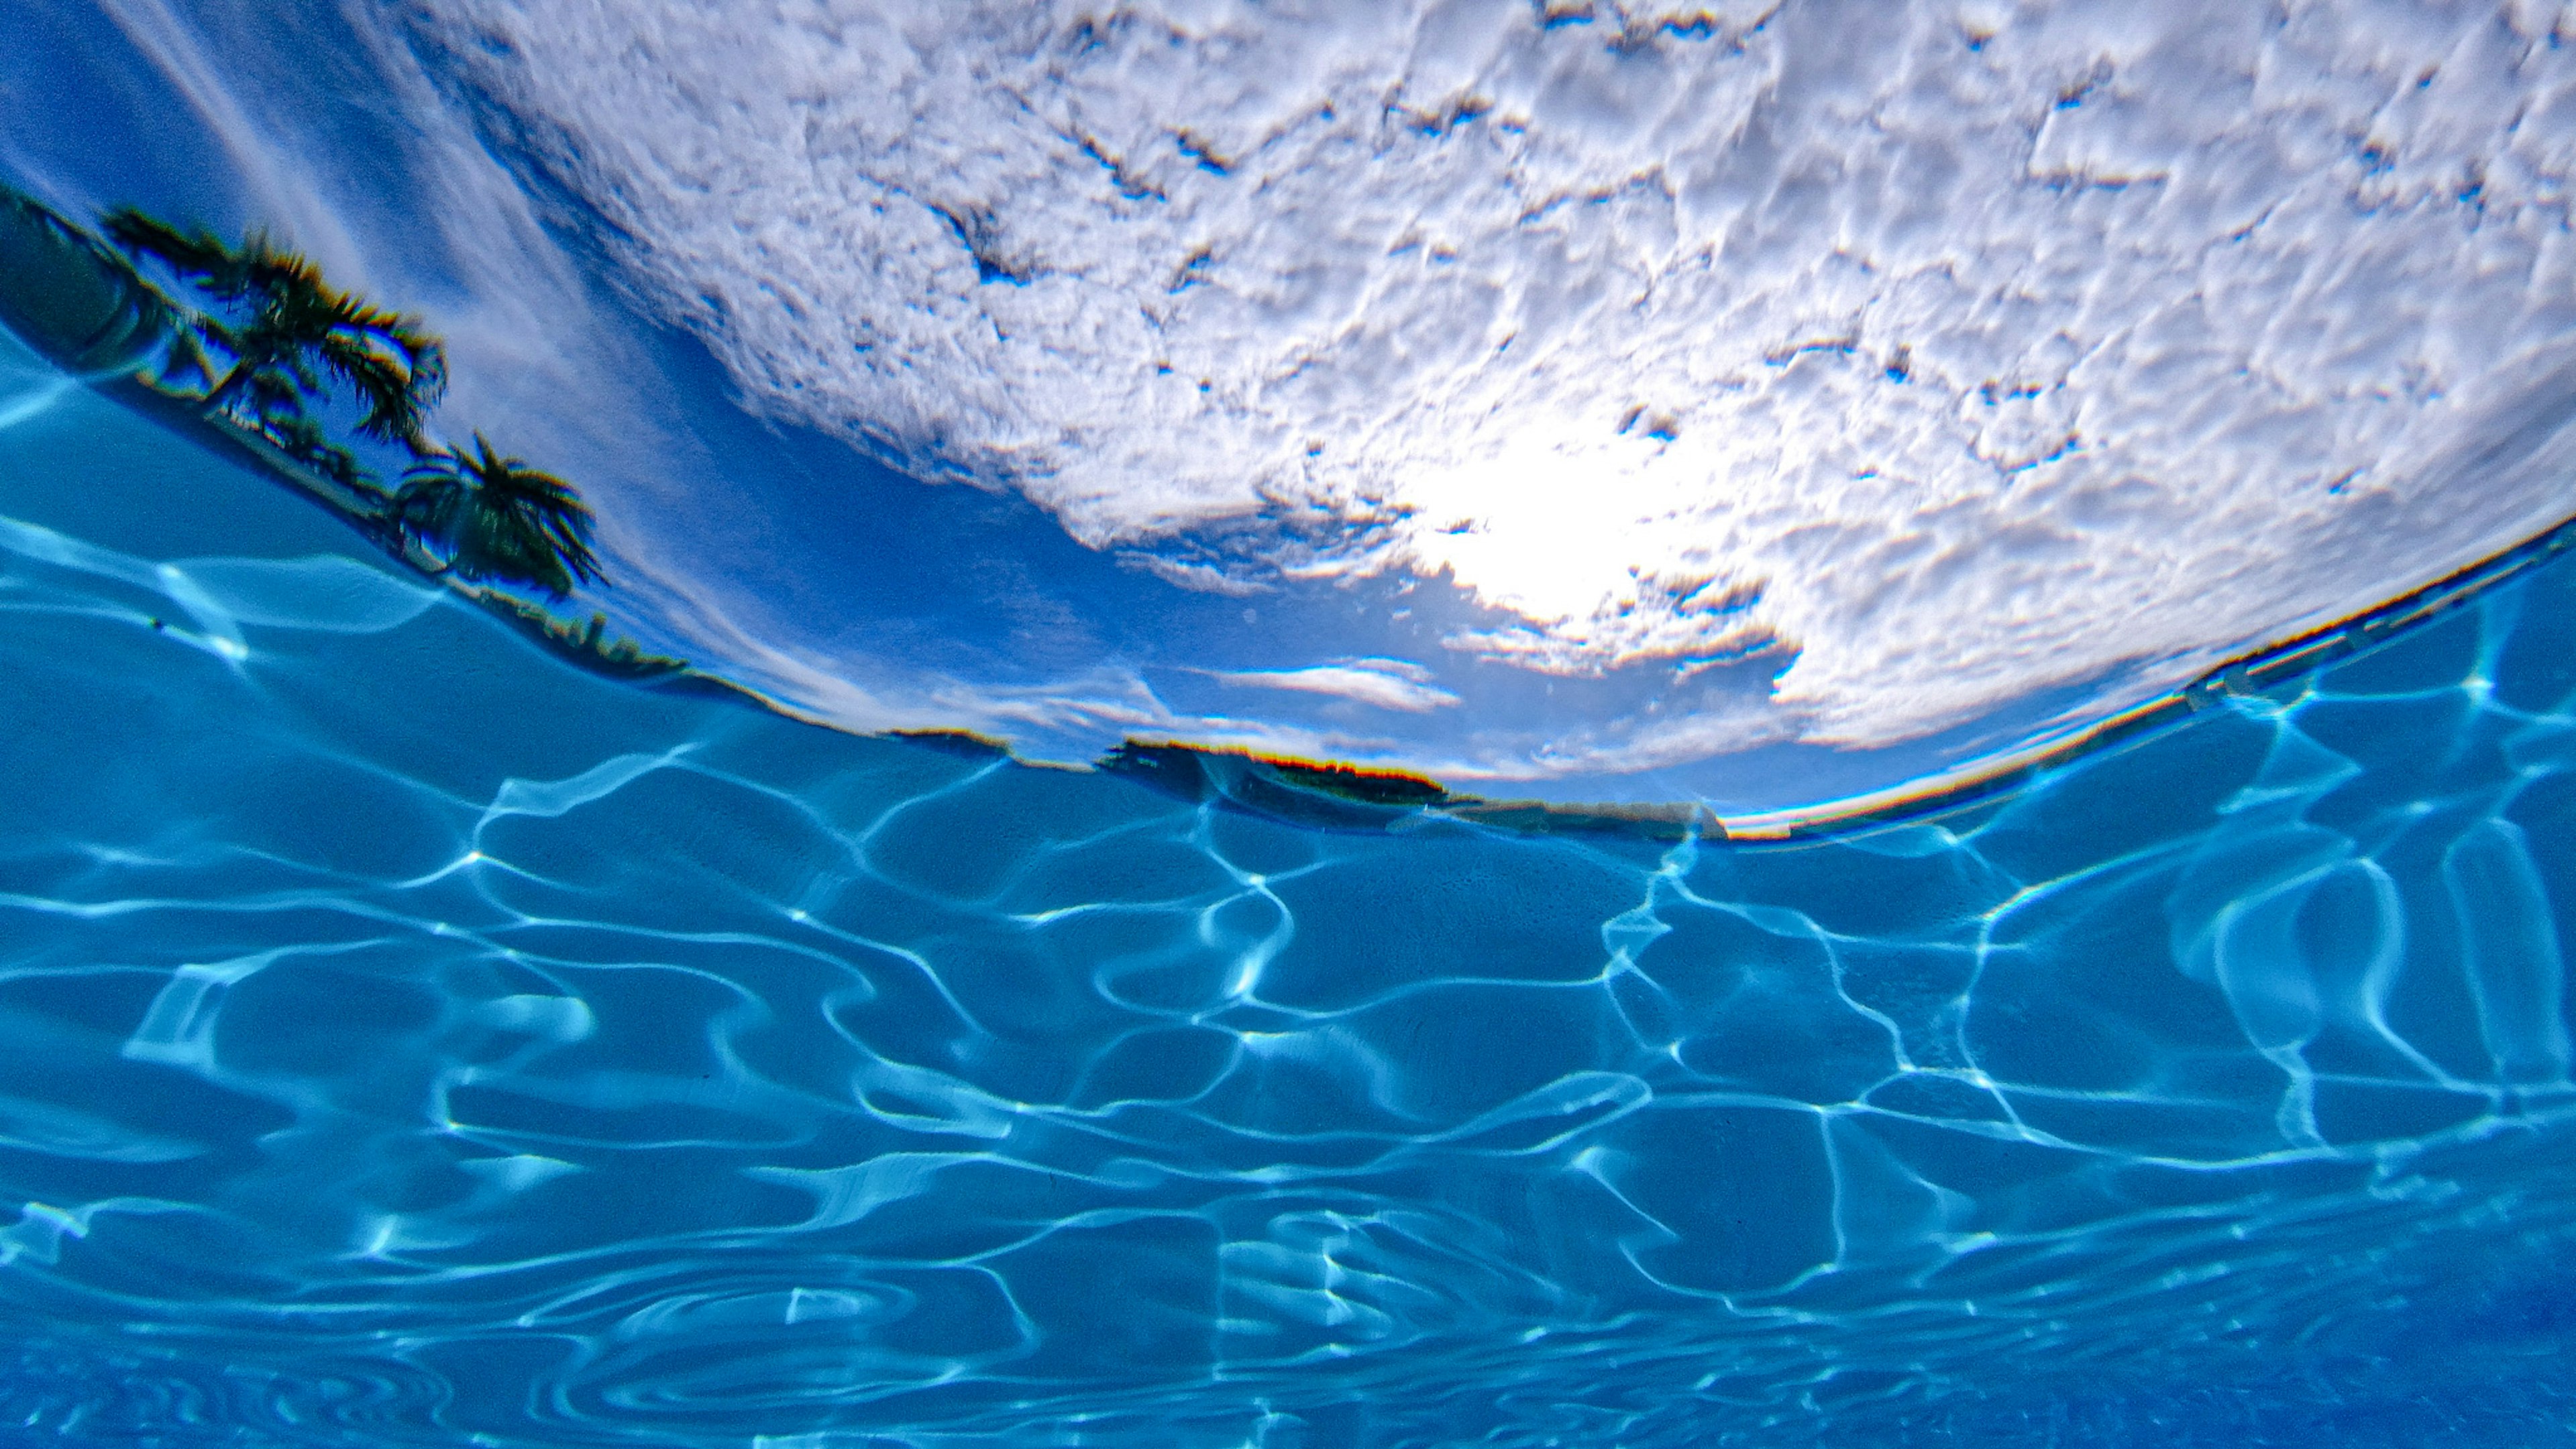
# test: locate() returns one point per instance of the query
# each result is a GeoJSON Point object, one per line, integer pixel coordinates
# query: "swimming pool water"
{"type": "Point", "coordinates": [406, 1038]}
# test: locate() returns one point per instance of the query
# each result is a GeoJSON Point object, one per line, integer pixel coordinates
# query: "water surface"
{"type": "Point", "coordinates": [408, 1039]}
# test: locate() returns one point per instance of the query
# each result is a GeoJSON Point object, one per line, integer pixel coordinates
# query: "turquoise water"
{"type": "Point", "coordinates": [408, 1039]}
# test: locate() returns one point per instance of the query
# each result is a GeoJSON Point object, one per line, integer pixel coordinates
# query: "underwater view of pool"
{"type": "Point", "coordinates": [880, 724]}
{"type": "Point", "coordinates": [414, 1039]}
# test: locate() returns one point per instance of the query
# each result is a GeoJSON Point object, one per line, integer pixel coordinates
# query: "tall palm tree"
{"type": "Point", "coordinates": [288, 328]}
{"type": "Point", "coordinates": [495, 518]}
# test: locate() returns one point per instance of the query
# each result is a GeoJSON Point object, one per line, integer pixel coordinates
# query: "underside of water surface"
{"type": "Point", "coordinates": [409, 1039]}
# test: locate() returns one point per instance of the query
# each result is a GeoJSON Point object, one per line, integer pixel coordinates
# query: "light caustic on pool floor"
{"type": "Point", "coordinates": [409, 1036]}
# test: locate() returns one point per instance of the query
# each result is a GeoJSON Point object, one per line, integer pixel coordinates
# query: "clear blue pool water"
{"type": "Point", "coordinates": [408, 1039]}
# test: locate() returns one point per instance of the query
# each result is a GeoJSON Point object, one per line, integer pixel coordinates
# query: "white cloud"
{"type": "Point", "coordinates": [1971, 350]}
{"type": "Point", "coordinates": [288, 196]}
{"type": "Point", "coordinates": [1385, 683]}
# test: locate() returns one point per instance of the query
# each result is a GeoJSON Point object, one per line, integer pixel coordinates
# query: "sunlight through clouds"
{"type": "Point", "coordinates": [1967, 351]}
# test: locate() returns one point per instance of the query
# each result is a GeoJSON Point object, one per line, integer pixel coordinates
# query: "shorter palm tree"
{"type": "Point", "coordinates": [494, 518]}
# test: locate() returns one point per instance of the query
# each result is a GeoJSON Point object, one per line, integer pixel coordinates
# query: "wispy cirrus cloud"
{"type": "Point", "coordinates": [1386, 683]}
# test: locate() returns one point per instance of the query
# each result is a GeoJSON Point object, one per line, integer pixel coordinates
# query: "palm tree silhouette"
{"type": "Point", "coordinates": [290, 328]}
{"type": "Point", "coordinates": [279, 335]}
{"type": "Point", "coordinates": [495, 518]}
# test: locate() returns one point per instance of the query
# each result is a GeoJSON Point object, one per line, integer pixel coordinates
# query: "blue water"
{"type": "Point", "coordinates": [406, 1038]}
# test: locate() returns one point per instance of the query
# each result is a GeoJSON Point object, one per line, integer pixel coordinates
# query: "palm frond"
{"type": "Point", "coordinates": [196, 254]}
{"type": "Point", "coordinates": [268, 275]}
{"type": "Point", "coordinates": [397, 372]}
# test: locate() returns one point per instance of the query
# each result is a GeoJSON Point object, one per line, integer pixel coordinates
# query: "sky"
{"type": "Point", "coordinates": [1755, 403]}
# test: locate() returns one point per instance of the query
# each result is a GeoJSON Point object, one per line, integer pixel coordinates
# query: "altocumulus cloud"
{"type": "Point", "coordinates": [1968, 349]}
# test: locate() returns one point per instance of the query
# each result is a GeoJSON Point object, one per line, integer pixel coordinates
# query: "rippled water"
{"type": "Point", "coordinates": [407, 1039]}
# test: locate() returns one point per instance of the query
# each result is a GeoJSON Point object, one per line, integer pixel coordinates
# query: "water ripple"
{"type": "Point", "coordinates": [405, 1039]}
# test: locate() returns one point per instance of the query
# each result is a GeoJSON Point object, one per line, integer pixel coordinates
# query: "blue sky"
{"type": "Point", "coordinates": [1601, 404]}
